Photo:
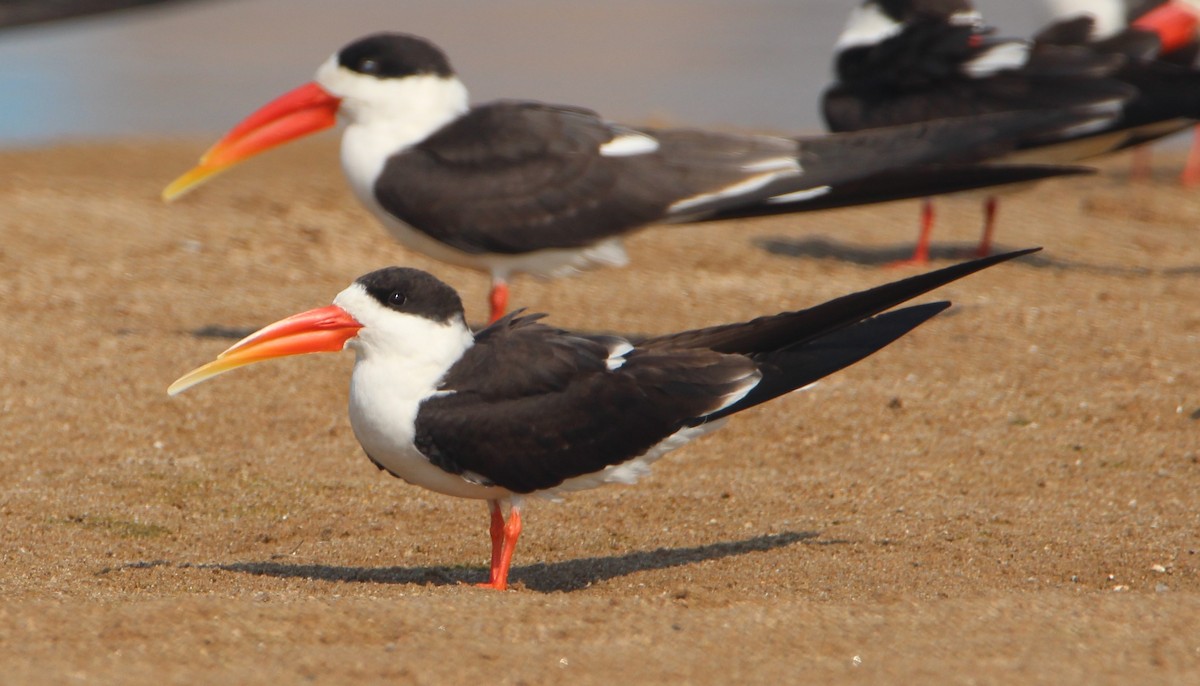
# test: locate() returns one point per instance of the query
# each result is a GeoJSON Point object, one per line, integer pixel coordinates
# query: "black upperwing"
{"type": "Point", "coordinates": [794, 349]}
{"type": "Point", "coordinates": [514, 177]}
{"type": "Point", "coordinates": [787, 329]}
{"type": "Point", "coordinates": [934, 68]}
{"type": "Point", "coordinates": [530, 406]}
{"type": "Point", "coordinates": [908, 161]}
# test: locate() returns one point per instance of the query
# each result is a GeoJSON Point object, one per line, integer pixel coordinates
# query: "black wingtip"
{"type": "Point", "coordinates": [774, 332]}
{"type": "Point", "coordinates": [896, 292]}
{"type": "Point", "coordinates": [960, 270]}
{"type": "Point", "coordinates": [787, 370]}
{"type": "Point", "coordinates": [905, 184]}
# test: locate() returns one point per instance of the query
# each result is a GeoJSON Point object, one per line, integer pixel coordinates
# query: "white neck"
{"type": "Point", "coordinates": [387, 116]}
{"type": "Point", "coordinates": [400, 360]}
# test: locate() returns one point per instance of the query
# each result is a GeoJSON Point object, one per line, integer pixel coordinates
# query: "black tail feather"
{"type": "Point", "coordinates": [905, 184]}
{"type": "Point", "coordinates": [794, 329]}
{"type": "Point", "coordinates": [786, 370]}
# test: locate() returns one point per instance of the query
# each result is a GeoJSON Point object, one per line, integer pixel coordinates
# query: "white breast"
{"type": "Point", "coordinates": [400, 359]}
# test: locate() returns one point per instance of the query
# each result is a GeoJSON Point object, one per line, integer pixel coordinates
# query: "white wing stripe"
{"type": "Point", "coordinates": [629, 144]}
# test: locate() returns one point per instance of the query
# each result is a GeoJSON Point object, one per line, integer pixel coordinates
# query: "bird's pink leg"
{"type": "Point", "coordinates": [498, 299]}
{"type": "Point", "coordinates": [504, 543]}
{"type": "Point", "coordinates": [989, 226]}
{"type": "Point", "coordinates": [510, 531]}
{"type": "Point", "coordinates": [497, 532]}
{"type": "Point", "coordinates": [1191, 169]}
{"type": "Point", "coordinates": [920, 254]}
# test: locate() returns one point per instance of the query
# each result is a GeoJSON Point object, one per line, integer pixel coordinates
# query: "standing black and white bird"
{"type": "Point", "coordinates": [521, 408]}
{"type": "Point", "coordinates": [903, 61]}
{"type": "Point", "coordinates": [513, 186]}
{"type": "Point", "coordinates": [1145, 32]}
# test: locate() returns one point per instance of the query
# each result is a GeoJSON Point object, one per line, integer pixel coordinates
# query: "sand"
{"type": "Point", "coordinates": [1011, 494]}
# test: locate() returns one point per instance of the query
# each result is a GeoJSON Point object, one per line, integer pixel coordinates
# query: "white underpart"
{"type": "Point", "coordinates": [868, 25]}
{"type": "Point", "coordinates": [998, 58]}
{"type": "Point", "coordinates": [629, 144]}
{"type": "Point", "coordinates": [549, 263]}
{"type": "Point", "coordinates": [797, 196]}
{"type": "Point", "coordinates": [555, 263]}
{"type": "Point", "coordinates": [1108, 15]}
{"type": "Point", "coordinates": [400, 359]}
{"type": "Point", "coordinates": [631, 471]}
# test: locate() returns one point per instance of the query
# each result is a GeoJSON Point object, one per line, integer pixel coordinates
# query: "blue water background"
{"type": "Point", "coordinates": [195, 68]}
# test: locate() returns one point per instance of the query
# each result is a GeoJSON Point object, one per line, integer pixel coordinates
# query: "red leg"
{"type": "Point", "coordinates": [1191, 170]}
{"type": "Point", "coordinates": [920, 254]}
{"type": "Point", "coordinates": [512, 531]}
{"type": "Point", "coordinates": [989, 227]}
{"type": "Point", "coordinates": [503, 545]}
{"type": "Point", "coordinates": [497, 532]}
{"type": "Point", "coordinates": [498, 299]}
{"type": "Point", "coordinates": [1140, 168]}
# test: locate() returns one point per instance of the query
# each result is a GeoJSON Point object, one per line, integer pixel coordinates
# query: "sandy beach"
{"type": "Point", "coordinates": [1011, 494]}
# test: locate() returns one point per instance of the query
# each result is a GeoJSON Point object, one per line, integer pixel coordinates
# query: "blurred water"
{"type": "Point", "coordinates": [197, 68]}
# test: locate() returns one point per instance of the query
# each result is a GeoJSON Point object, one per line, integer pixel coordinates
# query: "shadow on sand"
{"type": "Point", "coordinates": [817, 247]}
{"type": "Point", "coordinates": [571, 575]}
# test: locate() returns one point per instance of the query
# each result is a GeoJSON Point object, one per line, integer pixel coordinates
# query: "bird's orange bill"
{"type": "Point", "coordinates": [1174, 24]}
{"type": "Point", "coordinates": [299, 112]}
{"type": "Point", "coordinates": [325, 329]}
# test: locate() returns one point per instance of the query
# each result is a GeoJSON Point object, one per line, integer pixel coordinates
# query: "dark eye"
{"type": "Point", "coordinates": [397, 299]}
{"type": "Point", "coordinates": [369, 66]}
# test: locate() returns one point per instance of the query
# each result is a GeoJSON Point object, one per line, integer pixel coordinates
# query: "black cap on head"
{"type": "Point", "coordinates": [394, 56]}
{"type": "Point", "coordinates": [413, 291]}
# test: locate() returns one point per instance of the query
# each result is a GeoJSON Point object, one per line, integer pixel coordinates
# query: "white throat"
{"type": "Point", "coordinates": [387, 116]}
{"type": "Point", "coordinates": [400, 359]}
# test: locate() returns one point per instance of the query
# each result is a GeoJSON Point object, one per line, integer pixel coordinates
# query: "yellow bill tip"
{"type": "Point", "coordinates": [202, 373]}
{"type": "Point", "coordinates": [194, 177]}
